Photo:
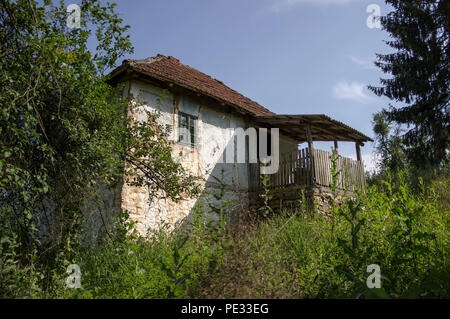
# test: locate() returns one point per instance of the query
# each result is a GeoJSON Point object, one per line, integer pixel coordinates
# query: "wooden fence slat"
{"type": "Point", "coordinates": [296, 168]}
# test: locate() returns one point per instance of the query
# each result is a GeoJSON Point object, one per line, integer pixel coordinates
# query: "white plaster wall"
{"type": "Point", "coordinates": [204, 160]}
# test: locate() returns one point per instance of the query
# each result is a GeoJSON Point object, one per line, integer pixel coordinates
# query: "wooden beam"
{"type": "Point", "coordinates": [336, 148]}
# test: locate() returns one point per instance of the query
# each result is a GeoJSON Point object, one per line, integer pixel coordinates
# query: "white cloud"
{"type": "Point", "coordinates": [351, 91]}
{"type": "Point", "coordinates": [366, 64]}
{"type": "Point", "coordinates": [282, 5]}
{"type": "Point", "coordinates": [369, 160]}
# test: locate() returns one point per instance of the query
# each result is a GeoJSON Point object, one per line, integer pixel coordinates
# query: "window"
{"type": "Point", "coordinates": [187, 129]}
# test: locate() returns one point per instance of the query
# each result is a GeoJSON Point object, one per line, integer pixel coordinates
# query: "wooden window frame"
{"type": "Point", "coordinates": [191, 125]}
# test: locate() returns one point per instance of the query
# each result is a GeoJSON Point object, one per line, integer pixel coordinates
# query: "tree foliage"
{"type": "Point", "coordinates": [63, 130]}
{"type": "Point", "coordinates": [388, 143]}
{"type": "Point", "coordinates": [420, 77]}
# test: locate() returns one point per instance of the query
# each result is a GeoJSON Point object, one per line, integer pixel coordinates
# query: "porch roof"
{"type": "Point", "coordinates": [323, 128]}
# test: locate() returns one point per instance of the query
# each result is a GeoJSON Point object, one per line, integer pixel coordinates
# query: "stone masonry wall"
{"type": "Point", "coordinates": [203, 160]}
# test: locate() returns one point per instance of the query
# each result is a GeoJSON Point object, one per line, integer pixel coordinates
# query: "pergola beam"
{"type": "Point", "coordinates": [321, 128]}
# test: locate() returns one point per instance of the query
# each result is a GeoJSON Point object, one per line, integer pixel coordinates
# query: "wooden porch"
{"type": "Point", "coordinates": [310, 169]}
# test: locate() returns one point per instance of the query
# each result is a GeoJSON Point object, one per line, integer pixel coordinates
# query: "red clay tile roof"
{"type": "Point", "coordinates": [170, 69]}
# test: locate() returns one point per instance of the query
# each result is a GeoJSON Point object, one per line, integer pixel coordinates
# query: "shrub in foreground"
{"type": "Point", "coordinates": [295, 254]}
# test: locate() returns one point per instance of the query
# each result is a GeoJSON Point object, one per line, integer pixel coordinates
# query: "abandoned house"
{"type": "Point", "coordinates": [207, 109]}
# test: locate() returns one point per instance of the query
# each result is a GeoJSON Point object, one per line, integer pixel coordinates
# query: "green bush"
{"type": "Point", "coordinates": [294, 254]}
{"type": "Point", "coordinates": [298, 255]}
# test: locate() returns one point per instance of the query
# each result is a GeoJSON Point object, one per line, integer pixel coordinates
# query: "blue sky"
{"type": "Point", "coordinates": [292, 56]}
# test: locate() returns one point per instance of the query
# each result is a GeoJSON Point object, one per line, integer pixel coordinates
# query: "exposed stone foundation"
{"type": "Point", "coordinates": [291, 197]}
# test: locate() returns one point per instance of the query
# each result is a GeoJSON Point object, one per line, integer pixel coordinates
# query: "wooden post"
{"type": "Point", "coordinates": [361, 166]}
{"type": "Point", "coordinates": [336, 148]}
{"type": "Point", "coordinates": [358, 151]}
{"type": "Point", "coordinates": [311, 153]}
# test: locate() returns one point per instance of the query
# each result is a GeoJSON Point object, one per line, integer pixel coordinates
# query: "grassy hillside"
{"type": "Point", "coordinates": [297, 254]}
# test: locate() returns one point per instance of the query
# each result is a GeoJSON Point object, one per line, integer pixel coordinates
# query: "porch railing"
{"type": "Point", "coordinates": [297, 169]}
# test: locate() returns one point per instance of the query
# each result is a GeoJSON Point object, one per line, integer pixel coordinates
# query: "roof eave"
{"type": "Point", "coordinates": [129, 67]}
{"type": "Point", "coordinates": [293, 124]}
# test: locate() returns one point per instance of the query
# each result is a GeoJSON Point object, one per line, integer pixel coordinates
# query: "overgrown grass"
{"type": "Point", "coordinates": [295, 254]}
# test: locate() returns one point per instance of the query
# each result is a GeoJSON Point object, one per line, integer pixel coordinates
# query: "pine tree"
{"type": "Point", "coordinates": [388, 144]}
{"type": "Point", "coordinates": [420, 77]}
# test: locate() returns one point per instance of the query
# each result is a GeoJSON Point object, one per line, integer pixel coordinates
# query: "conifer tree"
{"type": "Point", "coordinates": [419, 82]}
